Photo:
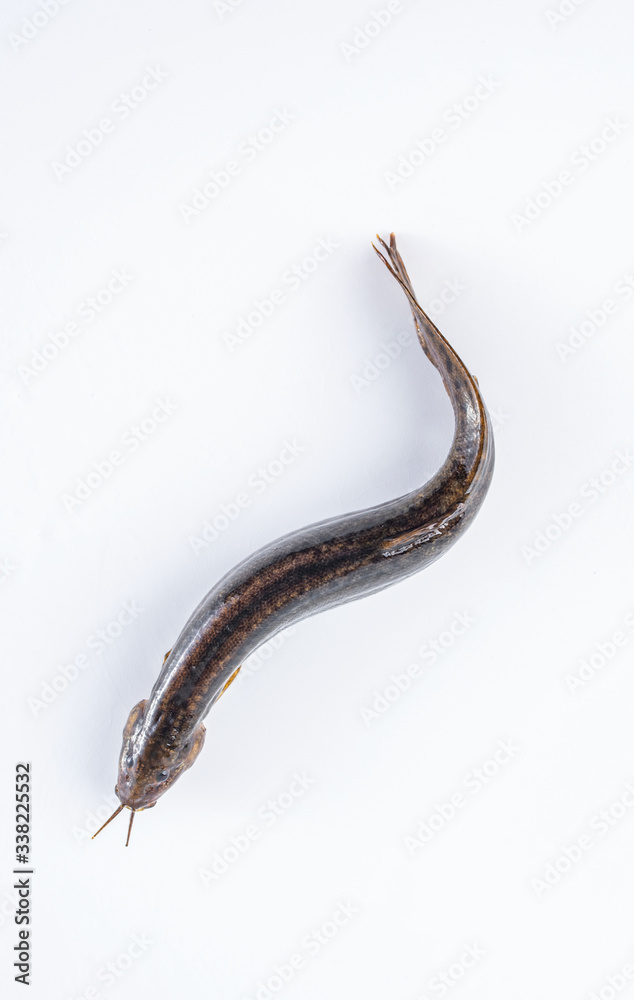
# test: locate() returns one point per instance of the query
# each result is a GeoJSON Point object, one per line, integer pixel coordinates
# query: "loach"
{"type": "Point", "coordinates": [300, 574]}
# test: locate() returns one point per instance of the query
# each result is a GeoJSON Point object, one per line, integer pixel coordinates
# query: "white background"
{"type": "Point", "coordinates": [561, 418]}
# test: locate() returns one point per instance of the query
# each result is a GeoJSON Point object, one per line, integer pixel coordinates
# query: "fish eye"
{"type": "Point", "coordinates": [162, 775]}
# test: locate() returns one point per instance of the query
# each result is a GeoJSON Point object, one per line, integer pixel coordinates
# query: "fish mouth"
{"type": "Point", "coordinates": [137, 803]}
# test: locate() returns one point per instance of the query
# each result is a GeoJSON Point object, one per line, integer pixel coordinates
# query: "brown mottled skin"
{"type": "Point", "coordinates": [305, 572]}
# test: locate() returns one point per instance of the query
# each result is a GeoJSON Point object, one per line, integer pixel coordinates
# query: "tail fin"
{"type": "Point", "coordinates": [458, 380]}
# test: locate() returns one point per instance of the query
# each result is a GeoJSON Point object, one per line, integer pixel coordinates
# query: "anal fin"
{"type": "Point", "coordinates": [230, 681]}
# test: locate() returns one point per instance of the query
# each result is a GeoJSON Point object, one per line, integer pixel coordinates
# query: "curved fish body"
{"type": "Point", "coordinates": [305, 572]}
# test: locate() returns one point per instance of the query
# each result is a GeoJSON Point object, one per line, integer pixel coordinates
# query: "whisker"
{"type": "Point", "coordinates": [115, 813]}
{"type": "Point", "coordinates": [130, 828]}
